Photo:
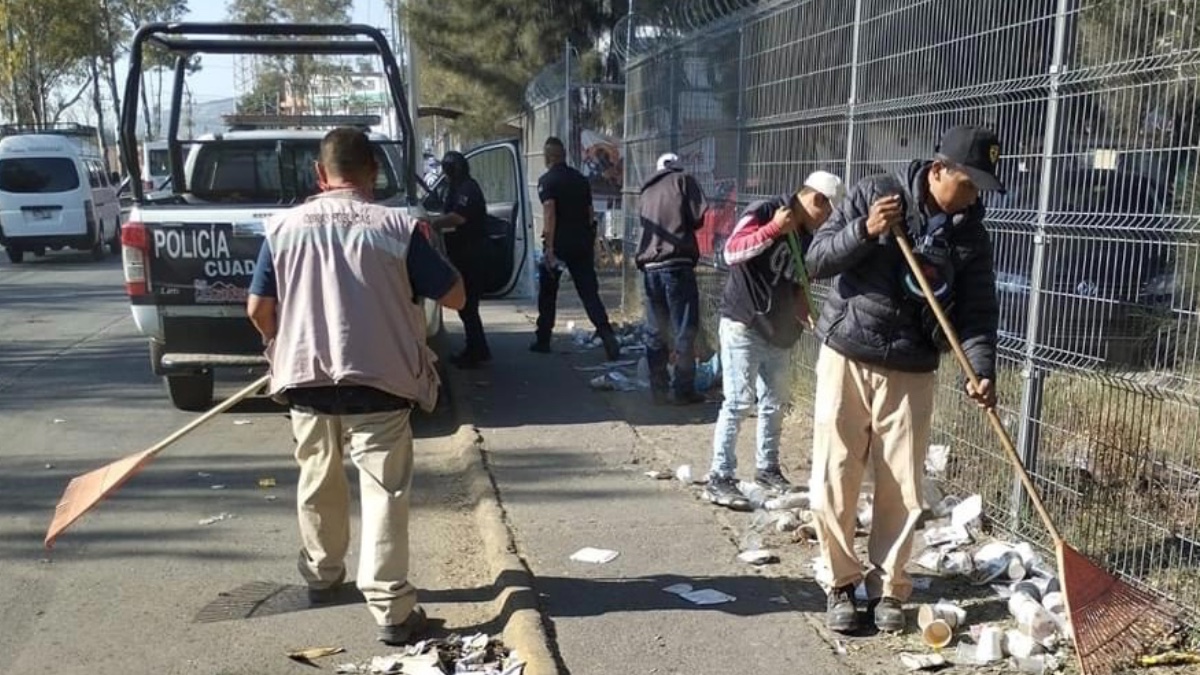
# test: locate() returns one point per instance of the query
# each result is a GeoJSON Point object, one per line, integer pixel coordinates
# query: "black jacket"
{"type": "Point", "coordinates": [867, 315]}
{"type": "Point", "coordinates": [672, 209]}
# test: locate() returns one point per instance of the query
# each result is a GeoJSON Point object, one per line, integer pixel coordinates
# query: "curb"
{"type": "Point", "coordinates": [516, 601]}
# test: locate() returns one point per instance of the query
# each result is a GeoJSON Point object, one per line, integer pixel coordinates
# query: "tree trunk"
{"type": "Point", "coordinates": [99, 106]}
{"type": "Point", "coordinates": [146, 108]}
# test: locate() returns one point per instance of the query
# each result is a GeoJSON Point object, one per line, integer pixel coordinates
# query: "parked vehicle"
{"type": "Point", "coordinates": [189, 255]}
{"type": "Point", "coordinates": [1109, 286]}
{"type": "Point", "coordinates": [156, 168]}
{"type": "Point", "coordinates": [54, 194]}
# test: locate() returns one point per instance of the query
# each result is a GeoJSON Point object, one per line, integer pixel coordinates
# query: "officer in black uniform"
{"type": "Point", "coordinates": [466, 218]}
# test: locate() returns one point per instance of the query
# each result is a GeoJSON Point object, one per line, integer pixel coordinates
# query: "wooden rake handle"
{"type": "Point", "coordinates": [973, 377]}
{"type": "Point", "coordinates": [228, 403]}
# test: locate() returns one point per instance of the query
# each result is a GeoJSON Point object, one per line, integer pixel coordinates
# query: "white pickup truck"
{"type": "Point", "coordinates": [189, 254]}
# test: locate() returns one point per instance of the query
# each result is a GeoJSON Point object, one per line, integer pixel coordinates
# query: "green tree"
{"type": "Point", "coordinates": [289, 78]}
{"type": "Point", "coordinates": [479, 55]}
{"type": "Point", "coordinates": [46, 46]}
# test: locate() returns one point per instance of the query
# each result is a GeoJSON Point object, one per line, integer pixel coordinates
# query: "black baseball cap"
{"type": "Point", "coordinates": [975, 151]}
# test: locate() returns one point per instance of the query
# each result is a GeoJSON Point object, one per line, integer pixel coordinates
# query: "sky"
{"type": "Point", "coordinates": [216, 77]}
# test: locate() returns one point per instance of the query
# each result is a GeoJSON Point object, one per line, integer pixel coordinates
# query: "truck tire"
{"type": "Point", "coordinates": [98, 251]}
{"type": "Point", "coordinates": [15, 255]}
{"type": "Point", "coordinates": [114, 244]}
{"type": "Point", "coordinates": [192, 392]}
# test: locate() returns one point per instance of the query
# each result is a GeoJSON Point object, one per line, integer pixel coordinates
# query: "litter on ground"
{"type": "Point", "coordinates": [597, 556]}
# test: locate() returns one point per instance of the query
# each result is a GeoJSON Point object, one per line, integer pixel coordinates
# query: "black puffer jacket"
{"type": "Point", "coordinates": [868, 316]}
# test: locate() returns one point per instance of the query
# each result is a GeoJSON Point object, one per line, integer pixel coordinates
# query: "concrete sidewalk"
{"type": "Point", "coordinates": [569, 464]}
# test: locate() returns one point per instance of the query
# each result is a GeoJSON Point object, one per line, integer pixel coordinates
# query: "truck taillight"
{"type": "Point", "coordinates": [135, 245]}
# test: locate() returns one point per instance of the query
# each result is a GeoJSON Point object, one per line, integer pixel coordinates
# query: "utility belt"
{"type": "Point", "coordinates": [344, 400]}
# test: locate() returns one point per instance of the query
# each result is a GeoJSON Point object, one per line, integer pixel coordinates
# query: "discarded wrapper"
{"type": "Point", "coordinates": [936, 459]}
{"type": "Point", "coordinates": [308, 656]}
{"type": "Point", "coordinates": [758, 557]}
{"type": "Point", "coordinates": [916, 662]}
{"type": "Point", "coordinates": [948, 534]}
{"type": "Point", "coordinates": [659, 475]}
{"type": "Point", "coordinates": [216, 519]}
{"type": "Point", "coordinates": [967, 511]}
{"type": "Point", "coordinates": [266, 482]}
{"type": "Point", "coordinates": [597, 556]}
{"type": "Point", "coordinates": [791, 500]}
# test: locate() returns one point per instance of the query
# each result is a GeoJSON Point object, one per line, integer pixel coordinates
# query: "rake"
{"type": "Point", "coordinates": [1113, 622]}
{"type": "Point", "coordinates": [87, 490]}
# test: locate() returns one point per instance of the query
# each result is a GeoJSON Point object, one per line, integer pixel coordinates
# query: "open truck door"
{"type": "Point", "coordinates": [498, 169]}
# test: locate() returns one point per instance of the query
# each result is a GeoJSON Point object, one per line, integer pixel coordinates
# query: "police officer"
{"type": "Point", "coordinates": [466, 218]}
{"type": "Point", "coordinates": [569, 238]}
{"type": "Point", "coordinates": [340, 260]}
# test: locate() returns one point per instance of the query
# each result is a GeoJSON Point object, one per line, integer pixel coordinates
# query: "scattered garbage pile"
{"type": "Point", "coordinates": [634, 374]}
{"type": "Point", "coordinates": [450, 656]}
{"type": "Point", "coordinates": [1034, 639]}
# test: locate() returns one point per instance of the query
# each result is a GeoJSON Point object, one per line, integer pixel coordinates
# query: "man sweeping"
{"type": "Point", "coordinates": [881, 344]}
{"type": "Point", "coordinates": [336, 296]}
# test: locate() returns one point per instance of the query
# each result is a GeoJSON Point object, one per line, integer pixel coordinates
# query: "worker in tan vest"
{"type": "Point", "coordinates": [336, 296]}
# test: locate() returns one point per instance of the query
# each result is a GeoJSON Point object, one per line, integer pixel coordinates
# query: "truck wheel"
{"type": "Point", "coordinates": [15, 255]}
{"type": "Point", "coordinates": [114, 244]}
{"type": "Point", "coordinates": [193, 393]}
{"type": "Point", "coordinates": [98, 252]}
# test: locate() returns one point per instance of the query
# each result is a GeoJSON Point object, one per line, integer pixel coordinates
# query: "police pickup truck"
{"type": "Point", "coordinates": [189, 254]}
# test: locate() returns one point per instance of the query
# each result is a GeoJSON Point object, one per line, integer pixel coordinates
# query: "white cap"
{"type": "Point", "coordinates": [827, 184]}
{"type": "Point", "coordinates": [667, 160]}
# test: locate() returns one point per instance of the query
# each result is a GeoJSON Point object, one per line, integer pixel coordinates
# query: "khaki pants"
{"type": "Point", "coordinates": [381, 447]}
{"type": "Point", "coordinates": [868, 414]}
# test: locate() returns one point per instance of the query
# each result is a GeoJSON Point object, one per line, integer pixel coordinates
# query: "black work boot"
{"type": "Point", "coordinates": [841, 613]}
{"type": "Point", "coordinates": [612, 348]}
{"type": "Point", "coordinates": [889, 615]}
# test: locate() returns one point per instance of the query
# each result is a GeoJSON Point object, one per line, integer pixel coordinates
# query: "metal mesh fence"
{"type": "Point", "coordinates": [1097, 243]}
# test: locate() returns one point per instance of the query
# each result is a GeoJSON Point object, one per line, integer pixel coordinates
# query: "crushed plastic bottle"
{"type": "Point", "coordinates": [755, 494]}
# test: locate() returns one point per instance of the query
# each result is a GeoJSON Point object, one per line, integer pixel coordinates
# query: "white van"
{"type": "Point", "coordinates": [156, 166]}
{"type": "Point", "coordinates": [55, 193]}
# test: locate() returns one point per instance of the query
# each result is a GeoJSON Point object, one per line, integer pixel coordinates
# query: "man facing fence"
{"type": "Point", "coordinates": [672, 209]}
{"type": "Point", "coordinates": [881, 345]}
{"type": "Point", "coordinates": [335, 296]}
{"type": "Point", "coordinates": [763, 310]}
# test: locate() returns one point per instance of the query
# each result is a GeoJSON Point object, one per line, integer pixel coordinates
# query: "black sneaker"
{"type": "Point", "coordinates": [540, 347]}
{"type": "Point", "coordinates": [773, 479]}
{"type": "Point", "coordinates": [612, 348]}
{"type": "Point", "coordinates": [841, 613]}
{"type": "Point", "coordinates": [725, 492]}
{"type": "Point", "coordinates": [889, 615]}
{"type": "Point", "coordinates": [400, 634]}
{"type": "Point", "coordinates": [468, 360]}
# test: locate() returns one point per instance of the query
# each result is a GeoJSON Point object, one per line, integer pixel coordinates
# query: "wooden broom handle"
{"type": "Point", "coordinates": [973, 378]}
{"type": "Point", "coordinates": [217, 410]}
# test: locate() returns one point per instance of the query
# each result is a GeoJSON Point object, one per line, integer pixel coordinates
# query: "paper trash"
{"type": "Point", "coordinates": [598, 556]}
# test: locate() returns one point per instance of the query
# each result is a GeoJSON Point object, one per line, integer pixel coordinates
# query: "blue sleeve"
{"type": "Point", "coordinates": [263, 283]}
{"type": "Point", "coordinates": [428, 272]}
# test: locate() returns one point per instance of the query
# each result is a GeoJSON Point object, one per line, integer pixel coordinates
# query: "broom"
{"type": "Point", "coordinates": [87, 490]}
{"type": "Point", "coordinates": [1112, 622]}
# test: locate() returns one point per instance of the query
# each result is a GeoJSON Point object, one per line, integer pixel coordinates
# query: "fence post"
{"type": "Point", "coordinates": [739, 126]}
{"type": "Point", "coordinates": [1029, 435]}
{"type": "Point", "coordinates": [566, 137]}
{"type": "Point", "coordinates": [853, 98]}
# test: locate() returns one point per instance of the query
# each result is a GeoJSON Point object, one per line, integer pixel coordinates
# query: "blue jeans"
{"type": "Point", "coordinates": [672, 313]}
{"type": "Point", "coordinates": [750, 366]}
